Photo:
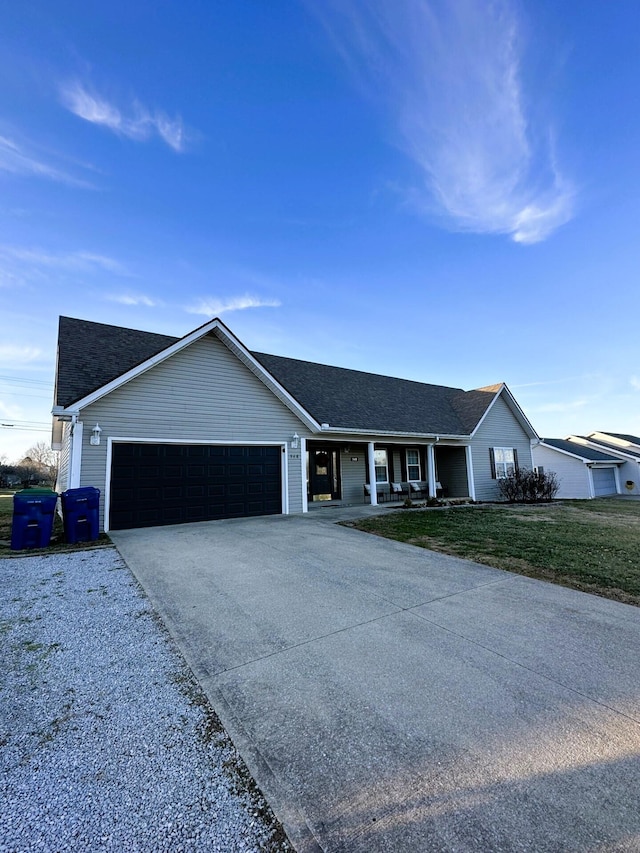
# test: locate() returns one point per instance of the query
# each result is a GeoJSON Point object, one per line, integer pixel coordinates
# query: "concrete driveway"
{"type": "Point", "coordinates": [388, 698]}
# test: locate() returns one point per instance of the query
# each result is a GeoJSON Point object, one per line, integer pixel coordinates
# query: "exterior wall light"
{"type": "Point", "coordinates": [295, 441]}
{"type": "Point", "coordinates": [95, 435]}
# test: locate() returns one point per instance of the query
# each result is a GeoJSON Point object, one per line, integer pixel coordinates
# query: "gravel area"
{"type": "Point", "coordinates": [106, 740]}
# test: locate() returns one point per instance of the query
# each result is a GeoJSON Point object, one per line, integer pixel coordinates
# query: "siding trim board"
{"type": "Point", "coordinates": [134, 440]}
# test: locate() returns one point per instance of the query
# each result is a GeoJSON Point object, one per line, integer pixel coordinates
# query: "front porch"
{"type": "Point", "coordinates": [338, 471]}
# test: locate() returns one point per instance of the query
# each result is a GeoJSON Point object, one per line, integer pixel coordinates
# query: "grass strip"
{"type": "Point", "coordinates": [593, 546]}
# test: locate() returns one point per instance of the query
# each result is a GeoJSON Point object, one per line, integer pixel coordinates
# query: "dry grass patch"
{"type": "Point", "coordinates": [593, 546]}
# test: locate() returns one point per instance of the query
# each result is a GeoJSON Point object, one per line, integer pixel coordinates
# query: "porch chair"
{"type": "Point", "coordinates": [381, 494]}
{"type": "Point", "coordinates": [419, 489]}
{"type": "Point", "coordinates": [397, 491]}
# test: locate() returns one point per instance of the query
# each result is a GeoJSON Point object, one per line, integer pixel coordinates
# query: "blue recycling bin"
{"type": "Point", "coordinates": [32, 523]}
{"type": "Point", "coordinates": [81, 514]}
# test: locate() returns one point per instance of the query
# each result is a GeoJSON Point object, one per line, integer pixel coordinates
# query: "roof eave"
{"type": "Point", "coordinates": [579, 457]}
{"type": "Point", "coordinates": [435, 436]}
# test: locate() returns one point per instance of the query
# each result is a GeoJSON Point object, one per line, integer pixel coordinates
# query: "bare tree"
{"type": "Point", "coordinates": [44, 460]}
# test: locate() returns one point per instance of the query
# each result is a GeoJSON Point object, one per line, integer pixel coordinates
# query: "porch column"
{"type": "Point", "coordinates": [303, 474]}
{"type": "Point", "coordinates": [431, 470]}
{"type": "Point", "coordinates": [372, 474]}
{"type": "Point", "coordinates": [470, 478]}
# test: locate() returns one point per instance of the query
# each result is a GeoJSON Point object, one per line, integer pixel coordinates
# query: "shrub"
{"type": "Point", "coordinates": [527, 486]}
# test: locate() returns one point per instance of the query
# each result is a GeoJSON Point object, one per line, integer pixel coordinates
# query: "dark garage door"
{"type": "Point", "coordinates": [154, 484]}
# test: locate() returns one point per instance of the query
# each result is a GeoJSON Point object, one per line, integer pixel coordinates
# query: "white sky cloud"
{"type": "Point", "coordinates": [137, 122]}
{"type": "Point", "coordinates": [450, 72]}
{"type": "Point", "coordinates": [635, 382]}
{"type": "Point", "coordinates": [214, 307]}
{"type": "Point", "coordinates": [15, 355]}
{"type": "Point", "coordinates": [17, 159]}
{"type": "Point", "coordinates": [564, 406]}
{"type": "Point", "coordinates": [22, 259]}
{"type": "Point", "coordinates": [134, 299]}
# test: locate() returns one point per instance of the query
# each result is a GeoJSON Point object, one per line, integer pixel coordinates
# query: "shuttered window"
{"type": "Point", "coordinates": [504, 461]}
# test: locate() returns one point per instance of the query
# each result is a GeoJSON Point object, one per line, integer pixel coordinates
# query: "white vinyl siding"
{"type": "Point", "coordinates": [62, 481]}
{"type": "Point", "coordinates": [500, 428]}
{"type": "Point", "coordinates": [202, 394]}
{"type": "Point", "coordinates": [452, 471]}
{"type": "Point", "coordinates": [572, 473]}
{"type": "Point", "coordinates": [353, 473]}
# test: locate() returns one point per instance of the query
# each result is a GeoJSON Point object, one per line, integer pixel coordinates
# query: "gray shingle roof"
{"type": "Point", "coordinates": [634, 439]}
{"type": "Point", "coordinates": [628, 451]}
{"type": "Point", "coordinates": [92, 354]}
{"type": "Point", "coordinates": [580, 450]}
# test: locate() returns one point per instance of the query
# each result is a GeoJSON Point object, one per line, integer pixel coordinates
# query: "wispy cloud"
{"type": "Point", "coordinates": [135, 122]}
{"type": "Point", "coordinates": [134, 299]}
{"type": "Point", "coordinates": [451, 74]}
{"type": "Point", "coordinates": [214, 307]}
{"type": "Point", "coordinates": [18, 159]}
{"type": "Point", "coordinates": [28, 266]}
{"type": "Point", "coordinates": [564, 406]}
{"type": "Point", "coordinates": [80, 261]}
{"type": "Point", "coordinates": [635, 382]}
{"type": "Point", "coordinates": [545, 382]}
{"type": "Point", "coordinates": [11, 354]}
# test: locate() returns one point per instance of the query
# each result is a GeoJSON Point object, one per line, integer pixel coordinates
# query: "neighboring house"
{"type": "Point", "coordinates": [623, 447]}
{"type": "Point", "coordinates": [176, 430]}
{"type": "Point", "coordinates": [582, 470]}
{"type": "Point", "coordinates": [618, 440]}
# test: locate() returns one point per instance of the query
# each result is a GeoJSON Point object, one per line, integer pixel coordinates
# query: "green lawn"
{"type": "Point", "coordinates": [589, 545]}
{"type": "Point", "coordinates": [57, 537]}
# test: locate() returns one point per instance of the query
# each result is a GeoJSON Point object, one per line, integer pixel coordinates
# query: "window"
{"type": "Point", "coordinates": [413, 465]}
{"type": "Point", "coordinates": [504, 462]}
{"type": "Point", "coordinates": [382, 467]}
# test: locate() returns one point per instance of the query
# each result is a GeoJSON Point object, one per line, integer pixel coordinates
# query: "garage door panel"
{"type": "Point", "coordinates": [170, 484]}
{"type": "Point", "coordinates": [604, 481]}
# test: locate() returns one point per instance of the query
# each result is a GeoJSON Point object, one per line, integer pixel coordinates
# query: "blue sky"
{"type": "Point", "coordinates": [447, 192]}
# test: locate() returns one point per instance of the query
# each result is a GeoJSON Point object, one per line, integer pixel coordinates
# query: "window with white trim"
{"type": "Point", "coordinates": [413, 465]}
{"type": "Point", "coordinates": [381, 465]}
{"type": "Point", "coordinates": [504, 462]}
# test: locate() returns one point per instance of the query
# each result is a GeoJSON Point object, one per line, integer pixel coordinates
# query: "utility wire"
{"type": "Point", "coordinates": [22, 379]}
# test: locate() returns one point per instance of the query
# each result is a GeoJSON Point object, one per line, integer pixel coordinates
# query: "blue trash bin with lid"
{"type": "Point", "coordinates": [81, 514]}
{"type": "Point", "coordinates": [32, 523]}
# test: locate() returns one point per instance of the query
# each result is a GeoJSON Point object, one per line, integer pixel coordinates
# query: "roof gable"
{"type": "Point", "coordinates": [501, 391]}
{"type": "Point", "coordinates": [94, 358]}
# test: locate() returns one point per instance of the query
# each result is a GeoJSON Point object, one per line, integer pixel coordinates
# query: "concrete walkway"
{"type": "Point", "coordinates": [388, 698]}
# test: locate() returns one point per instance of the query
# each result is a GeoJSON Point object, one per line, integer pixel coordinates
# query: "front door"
{"type": "Point", "coordinates": [324, 474]}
